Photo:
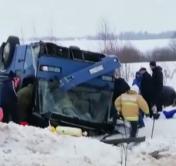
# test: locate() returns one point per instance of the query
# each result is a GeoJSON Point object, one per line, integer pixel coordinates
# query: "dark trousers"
{"type": "Point", "coordinates": [149, 102]}
{"type": "Point", "coordinates": [8, 101]}
{"type": "Point", "coordinates": [141, 119]}
{"type": "Point", "coordinates": [10, 112]}
{"type": "Point", "coordinates": [157, 101]}
{"type": "Point", "coordinates": [150, 108]}
{"type": "Point", "coordinates": [134, 127]}
{"type": "Point", "coordinates": [159, 106]}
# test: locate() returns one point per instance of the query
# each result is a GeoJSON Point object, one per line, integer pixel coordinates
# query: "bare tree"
{"type": "Point", "coordinates": [163, 54]}
{"type": "Point", "coordinates": [130, 54]}
{"type": "Point", "coordinates": [173, 46]}
{"type": "Point", "coordinates": [108, 38]}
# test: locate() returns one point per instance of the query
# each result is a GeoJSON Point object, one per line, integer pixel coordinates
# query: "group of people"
{"type": "Point", "coordinates": [150, 86]}
{"type": "Point", "coordinates": [142, 97]}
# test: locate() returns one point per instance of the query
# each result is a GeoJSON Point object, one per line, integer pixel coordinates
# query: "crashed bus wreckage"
{"type": "Point", "coordinates": [72, 89]}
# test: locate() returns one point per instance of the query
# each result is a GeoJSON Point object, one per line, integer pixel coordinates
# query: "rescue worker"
{"type": "Point", "coordinates": [128, 105]}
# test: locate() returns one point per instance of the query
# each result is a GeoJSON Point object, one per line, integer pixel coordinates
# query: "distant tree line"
{"type": "Point", "coordinates": [134, 35]}
{"type": "Point", "coordinates": [129, 53]}
{"type": "Point", "coordinates": [146, 35]}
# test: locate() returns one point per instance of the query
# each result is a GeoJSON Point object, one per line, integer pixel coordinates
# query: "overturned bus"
{"type": "Point", "coordinates": [72, 87]}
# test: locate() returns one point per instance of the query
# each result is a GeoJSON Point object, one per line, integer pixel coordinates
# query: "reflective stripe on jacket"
{"type": "Point", "coordinates": [128, 104]}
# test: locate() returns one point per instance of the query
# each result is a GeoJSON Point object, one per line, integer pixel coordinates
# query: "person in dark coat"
{"type": "Point", "coordinates": [146, 88]}
{"type": "Point", "coordinates": [157, 81]}
{"type": "Point", "coordinates": [9, 99]}
{"type": "Point", "coordinates": [120, 86]}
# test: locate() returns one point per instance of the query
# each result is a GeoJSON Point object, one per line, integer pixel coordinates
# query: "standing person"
{"type": "Point", "coordinates": [157, 80]}
{"type": "Point", "coordinates": [129, 105]}
{"type": "Point", "coordinates": [146, 88]}
{"type": "Point", "coordinates": [9, 98]}
{"type": "Point", "coordinates": [120, 86]}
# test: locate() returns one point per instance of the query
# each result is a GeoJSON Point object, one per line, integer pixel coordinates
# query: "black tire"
{"type": "Point", "coordinates": [8, 50]}
{"type": "Point", "coordinates": [1, 50]}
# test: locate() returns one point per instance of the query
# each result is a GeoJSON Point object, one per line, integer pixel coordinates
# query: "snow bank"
{"type": "Point", "coordinates": [159, 150]}
{"type": "Point", "coordinates": [31, 146]}
{"type": "Point", "coordinates": [156, 151]}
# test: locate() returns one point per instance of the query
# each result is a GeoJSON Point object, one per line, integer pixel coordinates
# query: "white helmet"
{"type": "Point", "coordinates": [135, 88]}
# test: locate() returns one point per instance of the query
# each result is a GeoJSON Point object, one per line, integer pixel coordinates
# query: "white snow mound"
{"type": "Point", "coordinates": [31, 146]}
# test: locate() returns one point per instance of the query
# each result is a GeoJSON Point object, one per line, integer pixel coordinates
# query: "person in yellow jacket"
{"type": "Point", "coordinates": [128, 105]}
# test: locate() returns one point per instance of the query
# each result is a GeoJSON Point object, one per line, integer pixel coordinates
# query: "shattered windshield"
{"type": "Point", "coordinates": [30, 64]}
{"type": "Point", "coordinates": [83, 103]}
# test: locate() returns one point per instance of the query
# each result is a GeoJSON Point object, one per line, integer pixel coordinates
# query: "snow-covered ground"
{"type": "Point", "coordinates": [32, 146]}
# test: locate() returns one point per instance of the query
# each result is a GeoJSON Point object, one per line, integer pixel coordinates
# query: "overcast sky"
{"type": "Point", "coordinates": [64, 18]}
